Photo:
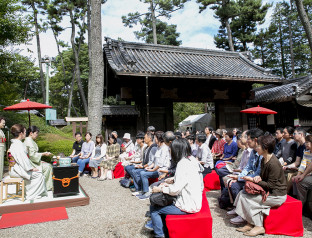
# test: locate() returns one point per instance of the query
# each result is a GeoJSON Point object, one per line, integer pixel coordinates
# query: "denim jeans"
{"type": "Point", "coordinates": [156, 217]}
{"type": "Point", "coordinates": [129, 169]}
{"type": "Point", "coordinates": [145, 175]}
{"type": "Point", "coordinates": [137, 179]}
{"type": "Point", "coordinates": [82, 164]}
{"type": "Point", "coordinates": [236, 188]}
{"type": "Point", "coordinates": [75, 159]}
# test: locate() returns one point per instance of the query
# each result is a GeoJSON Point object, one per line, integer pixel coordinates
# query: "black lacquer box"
{"type": "Point", "coordinates": [65, 181]}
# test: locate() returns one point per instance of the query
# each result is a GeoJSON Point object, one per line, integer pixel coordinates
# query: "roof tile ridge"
{"type": "Point", "coordinates": [265, 71]}
{"type": "Point", "coordinates": [170, 47]}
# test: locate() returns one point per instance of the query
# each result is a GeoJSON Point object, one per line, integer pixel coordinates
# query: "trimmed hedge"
{"type": "Point", "coordinates": [54, 144]}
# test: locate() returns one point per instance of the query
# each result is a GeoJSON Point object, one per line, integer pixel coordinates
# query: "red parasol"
{"type": "Point", "coordinates": [27, 105]}
{"type": "Point", "coordinates": [258, 110]}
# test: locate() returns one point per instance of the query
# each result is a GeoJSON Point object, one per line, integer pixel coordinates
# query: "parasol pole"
{"type": "Point", "coordinates": [28, 118]}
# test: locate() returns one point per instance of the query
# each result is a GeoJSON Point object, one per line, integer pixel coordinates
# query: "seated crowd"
{"type": "Point", "coordinates": [171, 167]}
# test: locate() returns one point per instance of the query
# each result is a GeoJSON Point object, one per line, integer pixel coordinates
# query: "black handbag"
{"type": "Point", "coordinates": [162, 199]}
{"type": "Point", "coordinates": [125, 182]}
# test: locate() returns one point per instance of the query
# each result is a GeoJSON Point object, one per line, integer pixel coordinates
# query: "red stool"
{"type": "Point", "coordinates": [197, 225]}
{"type": "Point", "coordinates": [152, 180]}
{"type": "Point", "coordinates": [212, 181]}
{"type": "Point", "coordinates": [87, 168]}
{"type": "Point", "coordinates": [286, 219]}
{"type": "Point", "coordinates": [119, 171]}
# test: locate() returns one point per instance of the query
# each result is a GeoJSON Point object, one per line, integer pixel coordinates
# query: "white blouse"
{"type": "Point", "coordinates": [103, 151]}
{"type": "Point", "coordinates": [188, 185]}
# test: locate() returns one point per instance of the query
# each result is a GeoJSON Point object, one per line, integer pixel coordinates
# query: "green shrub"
{"type": "Point", "coordinates": [55, 147]}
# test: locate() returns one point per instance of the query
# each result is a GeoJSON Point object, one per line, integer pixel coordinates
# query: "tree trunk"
{"type": "Point", "coordinates": [39, 51]}
{"type": "Point", "coordinates": [229, 33]}
{"type": "Point", "coordinates": [153, 22]}
{"type": "Point", "coordinates": [89, 44]}
{"type": "Point", "coordinates": [70, 96]}
{"type": "Point", "coordinates": [97, 82]}
{"type": "Point", "coordinates": [77, 67]}
{"type": "Point", "coordinates": [69, 91]}
{"type": "Point", "coordinates": [305, 21]}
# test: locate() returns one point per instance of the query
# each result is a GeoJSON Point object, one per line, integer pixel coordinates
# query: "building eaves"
{"type": "Point", "coordinates": [140, 59]}
{"type": "Point", "coordinates": [120, 110]}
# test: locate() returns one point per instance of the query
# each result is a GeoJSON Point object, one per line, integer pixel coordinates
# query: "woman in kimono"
{"type": "Point", "coordinates": [2, 146]}
{"type": "Point", "coordinates": [35, 157]}
{"type": "Point", "coordinates": [34, 179]}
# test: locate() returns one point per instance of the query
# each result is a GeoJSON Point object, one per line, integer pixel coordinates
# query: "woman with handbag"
{"type": "Point", "coordinates": [261, 192]}
{"type": "Point", "coordinates": [187, 186]}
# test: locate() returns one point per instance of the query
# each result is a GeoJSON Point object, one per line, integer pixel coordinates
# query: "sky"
{"type": "Point", "coordinates": [196, 30]}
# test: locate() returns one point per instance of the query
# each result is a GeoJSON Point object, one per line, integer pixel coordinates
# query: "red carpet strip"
{"type": "Point", "coordinates": [33, 217]}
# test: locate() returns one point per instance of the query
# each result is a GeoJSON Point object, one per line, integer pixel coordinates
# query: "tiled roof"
{"type": "Point", "coordinates": [119, 110]}
{"type": "Point", "coordinates": [293, 88]}
{"type": "Point", "coordinates": [140, 59]}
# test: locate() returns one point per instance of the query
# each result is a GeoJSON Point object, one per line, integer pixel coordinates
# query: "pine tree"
{"type": "Point", "coordinates": [245, 15]}
{"type": "Point", "coordinates": [152, 27]}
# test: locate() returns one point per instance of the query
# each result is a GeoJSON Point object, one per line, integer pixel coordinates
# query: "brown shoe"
{"type": "Point", "coordinates": [257, 230]}
{"type": "Point", "coordinates": [246, 228]}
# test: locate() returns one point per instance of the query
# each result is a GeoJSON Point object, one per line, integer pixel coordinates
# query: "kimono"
{"type": "Point", "coordinates": [35, 160]}
{"type": "Point", "coordinates": [2, 150]}
{"type": "Point", "coordinates": [34, 181]}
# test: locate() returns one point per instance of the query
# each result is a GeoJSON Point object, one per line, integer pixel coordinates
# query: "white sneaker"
{"type": "Point", "coordinates": [136, 193]}
{"type": "Point", "coordinates": [232, 212]}
{"type": "Point", "coordinates": [237, 220]}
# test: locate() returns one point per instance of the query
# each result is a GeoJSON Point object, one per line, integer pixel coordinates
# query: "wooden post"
{"type": "Point", "coordinates": [74, 129]}
{"type": "Point", "coordinates": [147, 103]}
{"type": "Point", "coordinates": [80, 125]}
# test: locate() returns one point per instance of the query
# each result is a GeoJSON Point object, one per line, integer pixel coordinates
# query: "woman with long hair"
{"type": "Point", "coordinates": [35, 157]}
{"type": "Point", "coordinates": [34, 179]}
{"type": "Point", "coordinates": [187, 185]}
{"type": "Point", "coordinates": [98, 154]}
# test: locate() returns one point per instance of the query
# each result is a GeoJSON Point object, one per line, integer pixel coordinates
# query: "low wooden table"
{"type": "Point", "coordinates": [65, 181]}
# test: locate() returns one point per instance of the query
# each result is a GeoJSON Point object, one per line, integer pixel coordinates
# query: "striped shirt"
{"type": "Point", "coordinates": [307, 158]}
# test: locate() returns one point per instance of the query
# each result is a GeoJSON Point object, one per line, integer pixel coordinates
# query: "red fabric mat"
{"type": "Point", "coordinates": [198, 225]}
{"type": "Point", "coordinates": [32, 217]}
{"type": "Point", "coordinates": [286, 219]}
{"type": "Point", "coordinates": [212, 181]}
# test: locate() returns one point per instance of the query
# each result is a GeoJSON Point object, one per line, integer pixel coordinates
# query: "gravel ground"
{"type": "Point", "coordinates": [113, 212]}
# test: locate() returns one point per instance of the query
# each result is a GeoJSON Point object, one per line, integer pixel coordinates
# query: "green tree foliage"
{"type": "Point", "coordinates": [165, 34]}
{"type": "Point", "coordinates": [183, 110]}
{"type": "Point", "coordinates": [14, 27]}
{"type": "Point", "coordinates": [60, 85]}
{"type": "Point", "coordinates": [225, 11]}
{"type": "Point", "coordinates": [19, 78]}
{"type": "Point", "coordinates": [245, 16]}
{"type": "Point", "coordinates": [272, 45]}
